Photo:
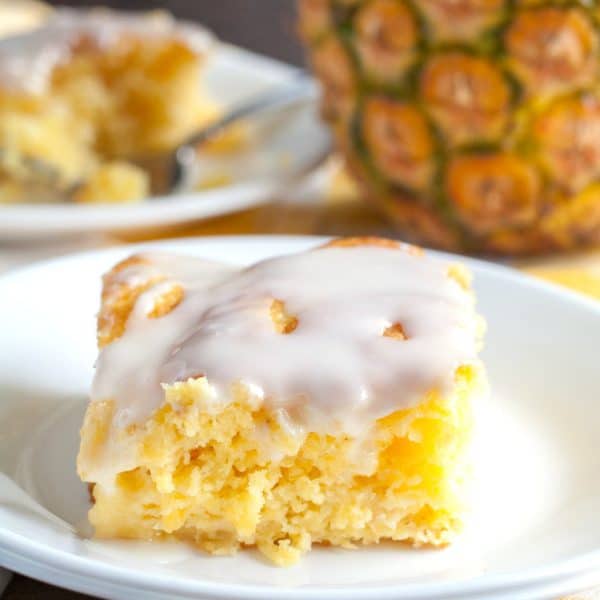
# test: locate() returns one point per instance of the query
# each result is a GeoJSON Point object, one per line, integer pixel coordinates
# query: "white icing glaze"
{"type": "Point", "coordinates": [334, 372]}
{"type": "Point", "coordinates": [27, 60]}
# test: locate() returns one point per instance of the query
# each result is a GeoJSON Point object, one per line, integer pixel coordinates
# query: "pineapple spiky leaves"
{"type": "Point", "coordinates": [475, 124]}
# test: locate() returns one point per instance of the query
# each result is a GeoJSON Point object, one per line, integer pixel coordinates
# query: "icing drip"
{"type": "Point", "coordinates": [335, 370]}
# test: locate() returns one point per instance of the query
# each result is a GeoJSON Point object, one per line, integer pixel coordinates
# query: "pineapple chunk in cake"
{"type": "Point", "coordinates": [318, 398]}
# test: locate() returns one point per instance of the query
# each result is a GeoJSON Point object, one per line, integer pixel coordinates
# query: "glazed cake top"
{"type": "Point", "coordinates": [27, 60]}
{"type": "Point", "coordinates": [337, 337]}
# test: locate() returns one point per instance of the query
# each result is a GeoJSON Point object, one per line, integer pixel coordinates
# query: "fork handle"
{"type": "Point", "coordinates": [301, 88]}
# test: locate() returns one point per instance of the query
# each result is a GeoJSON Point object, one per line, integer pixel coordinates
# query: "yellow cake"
{"type": "Point", "coordinates": [318, 398]}
{"type": "Point", "coordinates": [92, 89]}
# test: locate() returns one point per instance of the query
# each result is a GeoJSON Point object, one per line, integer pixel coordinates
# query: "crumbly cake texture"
{"type": "Point", "coordinates": [230, 475]}
{"type": "Point", "coordinates": [101, 104]}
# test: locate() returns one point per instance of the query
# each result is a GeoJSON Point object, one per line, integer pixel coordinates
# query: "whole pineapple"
{"type": "Point", "coordinates": [475, 124]}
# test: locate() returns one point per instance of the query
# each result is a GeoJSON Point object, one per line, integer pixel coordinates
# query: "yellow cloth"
{"type": "Point", "coordinates": [576, 279]}
{"type": "Point", "coordinates": [578, 271]}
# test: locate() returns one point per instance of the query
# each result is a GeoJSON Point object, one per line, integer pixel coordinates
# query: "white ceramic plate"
{"type": "Point", "coordinates": [535, 532]}
{"type": "Point", "coordinates": [232, 75]}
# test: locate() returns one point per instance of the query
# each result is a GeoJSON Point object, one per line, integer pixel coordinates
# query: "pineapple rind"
{"type": "Point", "coordinates": [567, 176]}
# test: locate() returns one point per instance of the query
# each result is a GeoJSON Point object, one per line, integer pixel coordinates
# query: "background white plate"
{"type": "Point", "coordinates": [535, 532]}
{"type": "Point", "coordinates": [231, 76]}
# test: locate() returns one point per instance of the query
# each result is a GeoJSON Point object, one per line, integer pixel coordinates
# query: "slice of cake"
{"type": "Point", "coordinates": [323, 397]}
{"type": "Point", "coordinates": [91, 90]}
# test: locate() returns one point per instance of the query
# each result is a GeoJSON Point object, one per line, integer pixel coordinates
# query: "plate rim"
{"type": "Point", "coordinates": [40, 557]}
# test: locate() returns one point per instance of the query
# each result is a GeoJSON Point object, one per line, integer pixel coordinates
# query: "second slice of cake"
{"type": "Point", "coordinates": [323, 397]}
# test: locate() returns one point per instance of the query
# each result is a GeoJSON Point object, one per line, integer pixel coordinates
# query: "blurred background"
{"type": "Point", "coordinates": [266, 26]}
